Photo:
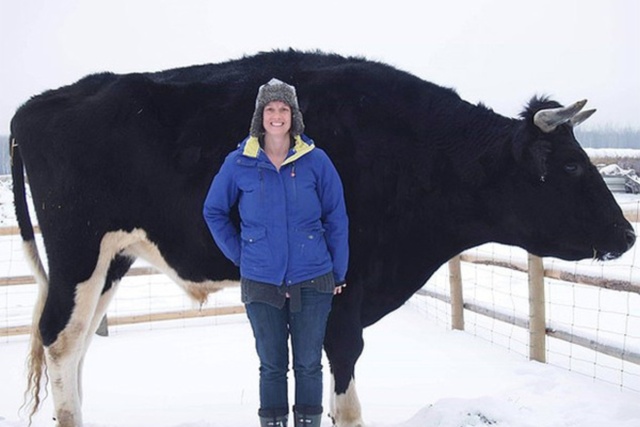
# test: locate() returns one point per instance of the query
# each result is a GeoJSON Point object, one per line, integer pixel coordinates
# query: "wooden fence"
{"type": "Point", "coordinates": [536, 322]}
{"type": "Point", "coordinates": [114, 320]}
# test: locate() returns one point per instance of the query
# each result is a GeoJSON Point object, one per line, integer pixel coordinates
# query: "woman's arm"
{"type": "Point", "coordinates": [222, 195]}
{"type": "Point", "coordinates": [334, 217]}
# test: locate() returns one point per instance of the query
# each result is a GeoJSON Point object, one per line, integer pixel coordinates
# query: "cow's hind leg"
{"type": "Point", "coordinates": [65, 348]}
{"type": "Point", "coordinates": [119, 267]}
{"type": "Point", "coordinates": [344, 344]}
{"type": "Point", "coordinates": [64, 354]}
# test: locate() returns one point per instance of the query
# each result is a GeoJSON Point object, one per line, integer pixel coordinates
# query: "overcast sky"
{"type": "Point", "coordinates": [499, 52]}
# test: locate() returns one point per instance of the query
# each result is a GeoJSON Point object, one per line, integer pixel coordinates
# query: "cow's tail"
{"type": "Point", "coordinates": [36, 364]}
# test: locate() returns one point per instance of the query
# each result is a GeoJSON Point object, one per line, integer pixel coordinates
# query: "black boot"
{"type": "Point", "coordinates": [302, 420]}
{"type": "Point", "coordinates": [280, 421]}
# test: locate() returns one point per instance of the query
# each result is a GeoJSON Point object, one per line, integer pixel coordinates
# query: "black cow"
{"type": "Point", "coordinates": [119, 166]}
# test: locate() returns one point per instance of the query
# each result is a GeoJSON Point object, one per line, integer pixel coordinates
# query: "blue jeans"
{"type": "Point", "coordinates": [271, 329]}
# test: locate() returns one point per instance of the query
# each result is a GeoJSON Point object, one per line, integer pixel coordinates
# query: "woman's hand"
{"type": "Point", "coordinates": [338, 289]}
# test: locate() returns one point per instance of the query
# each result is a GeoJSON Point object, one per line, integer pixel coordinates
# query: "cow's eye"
{"type": "Point", "coordinates": [572, 168]}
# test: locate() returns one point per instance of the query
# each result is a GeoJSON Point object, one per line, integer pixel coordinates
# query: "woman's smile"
{"type": "Point", "coordinates": [276, 117]}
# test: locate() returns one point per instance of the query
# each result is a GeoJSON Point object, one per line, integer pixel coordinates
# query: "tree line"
{"type": "Point", "coordinates": [609, 138]}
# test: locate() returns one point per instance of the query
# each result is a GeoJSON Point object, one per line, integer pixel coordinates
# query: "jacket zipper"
{"type": "Point", "coordinates": [293, 180]}
{"type": "Point", "coordinates": [261, 177]}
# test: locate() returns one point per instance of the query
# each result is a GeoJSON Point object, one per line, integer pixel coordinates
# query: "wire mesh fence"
{"type": "Point", "coordinates": [592, 329]}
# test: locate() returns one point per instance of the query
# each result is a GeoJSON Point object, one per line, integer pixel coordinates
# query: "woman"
{"type": "Point", "coordinates": [292, 248]}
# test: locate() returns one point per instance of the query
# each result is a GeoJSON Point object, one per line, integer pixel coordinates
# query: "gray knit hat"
{"type": "Point", "coordinates": [276, 90]}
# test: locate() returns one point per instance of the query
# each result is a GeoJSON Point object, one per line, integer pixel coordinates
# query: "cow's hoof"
{"type": "Point", "coordinates": [344, 423]}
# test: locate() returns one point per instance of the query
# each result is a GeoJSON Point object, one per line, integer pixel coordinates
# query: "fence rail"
{"type": "Point", "coordinates": [144, 318]}
{"type": "Point", "coordinates": [558, 274]}
{"type": "Point", "coordinates": [22, 280]}
{"type": "Point", "coordinates": [29, 279]}
{"type": "Point", "coordinates": [537, 322]}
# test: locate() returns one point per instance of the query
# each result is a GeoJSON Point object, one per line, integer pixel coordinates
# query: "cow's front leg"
{"type": "Point", "coordinates": [345, 407]}
{"type": "Point", "coordinates": [344, 344]}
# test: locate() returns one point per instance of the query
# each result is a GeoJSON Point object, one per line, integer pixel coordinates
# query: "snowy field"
{"type": "Point", "coordinates": [413, 373]}
{"type": "Point", "coordinates": [203, 373]}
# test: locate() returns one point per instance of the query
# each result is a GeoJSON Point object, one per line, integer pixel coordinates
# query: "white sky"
{"type": "Point", "coordinates": [499, 52]}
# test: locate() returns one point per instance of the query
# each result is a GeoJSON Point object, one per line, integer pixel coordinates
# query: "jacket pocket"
{"type": "Point", "coordinates": [312, 248]}
{"type": "Point", "coordinates": [255, 252]}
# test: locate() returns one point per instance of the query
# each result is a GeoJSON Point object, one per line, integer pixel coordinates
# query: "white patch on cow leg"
{"type": "Point", "coordinates": [63, 359]}
{"type": "Point", "coordinates": [148, 251]}
{"type": "Point", "coordinates": [345, 408]}
{"type": "Point", "coordinates": [64, 356]}
{"type": "Point", "coordinates": [101, 310]}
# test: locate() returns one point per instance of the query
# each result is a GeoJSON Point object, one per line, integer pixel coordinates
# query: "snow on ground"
{"type": "Point", "coordinates": [204, 373]}
{"type": "Point", "coordinates": [613, 153]}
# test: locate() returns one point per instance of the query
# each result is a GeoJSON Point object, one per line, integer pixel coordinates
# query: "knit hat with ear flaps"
{"type": "Point", "coordinates": [276, 90]}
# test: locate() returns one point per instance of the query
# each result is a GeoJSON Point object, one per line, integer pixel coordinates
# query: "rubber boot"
{"type": "Point", "coordinates": [303, 420]}
{"type": "Point", "coordinates": [280, 421]}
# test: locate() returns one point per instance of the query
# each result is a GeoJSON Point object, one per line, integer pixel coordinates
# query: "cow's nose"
{"type": "Point", "coordinates": [631, 238]}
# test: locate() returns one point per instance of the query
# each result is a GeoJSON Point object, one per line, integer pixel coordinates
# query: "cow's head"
{"type": "Point", "coordinates": [568, 210]}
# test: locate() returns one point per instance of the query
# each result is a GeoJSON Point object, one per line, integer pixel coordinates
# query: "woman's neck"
{"type": "Point", "coordinates": [276, 147]}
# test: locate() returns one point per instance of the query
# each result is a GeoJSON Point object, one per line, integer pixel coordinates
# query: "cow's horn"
{"type": "Point", "coordinates": [548, 119]}
{"type": "Point", "coordinates": [581, 117]}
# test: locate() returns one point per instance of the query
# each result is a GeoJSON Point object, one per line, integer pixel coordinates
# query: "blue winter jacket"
{"type": "Point", "coordinates": [294, 225]}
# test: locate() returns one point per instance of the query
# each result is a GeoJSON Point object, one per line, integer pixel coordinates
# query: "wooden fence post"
{"type": "Point", "coordinates": [537, 315]}
{"type": "Point", "coordinates": [457, 300]}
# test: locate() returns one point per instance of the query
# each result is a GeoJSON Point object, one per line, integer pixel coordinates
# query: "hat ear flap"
{"type": "Point", "coordinates": [297, 123]}
{"type": "Point", "coordinates": [256, 128]}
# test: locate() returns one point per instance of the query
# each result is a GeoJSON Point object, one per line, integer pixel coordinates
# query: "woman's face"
{"type": "Point", "coordinates": [276, 118]}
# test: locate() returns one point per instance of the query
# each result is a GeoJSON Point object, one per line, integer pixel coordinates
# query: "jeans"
{"type": "Point", "coordinates": [271, 329]}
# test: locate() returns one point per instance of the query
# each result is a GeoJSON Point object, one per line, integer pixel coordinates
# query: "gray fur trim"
{"type": "Point", "coordinates": [276, 90]}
